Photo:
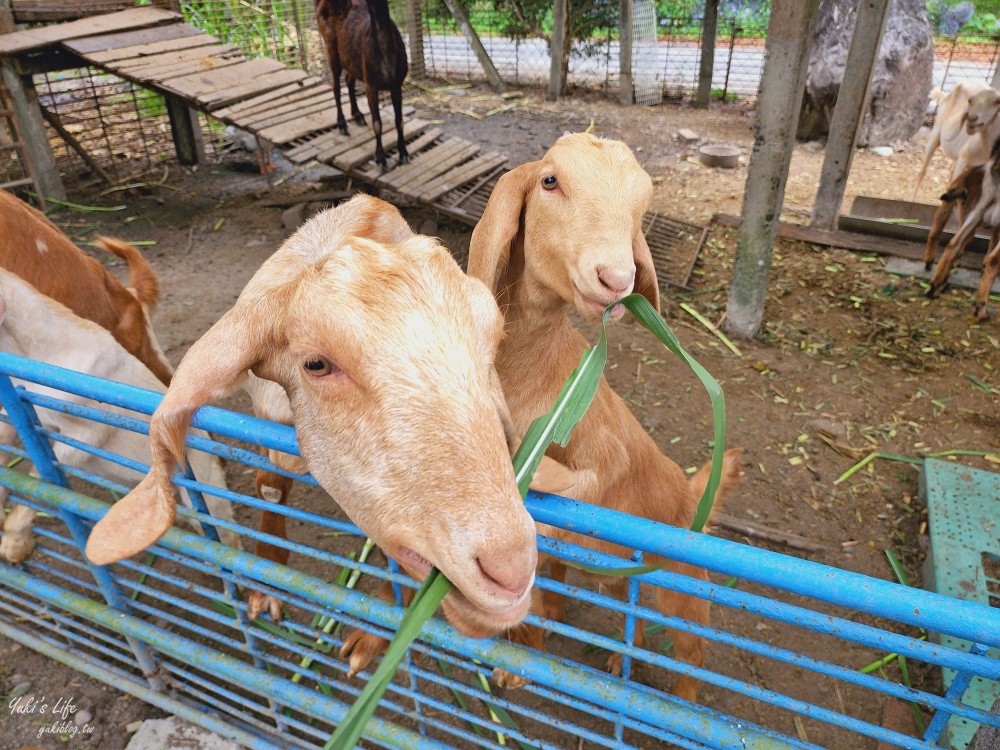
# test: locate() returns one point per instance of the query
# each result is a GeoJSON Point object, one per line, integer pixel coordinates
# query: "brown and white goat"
{"type": "Point", "coordinates": [965, 127]}
{"type": "Point", "coordinates": [33, 325]}
{"type": "Point", "coordinates": [565, 232]}
{"type": "Point", "coordinates": [962, 193]}
{"type": "Point", "coordinates": [35, 249]}
{"type": "Point", "coordinates": [985, 211]}
{"type": "Point", "coordinates": [363, 42]}
{"type": "Point", "coordinates": [385, 351]}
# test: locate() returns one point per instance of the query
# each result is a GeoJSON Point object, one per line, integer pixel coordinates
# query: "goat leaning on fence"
{"type": "Point", "coordinates": [363, 42]}
{"type": "Point", "coordinates": [385, 350]}
{"type": "Point", "coordinates": [560, 232]}
{"type": "Point", "coordinates": [35, 326]}
{"type": "Point", "coordinates": [35, 249]}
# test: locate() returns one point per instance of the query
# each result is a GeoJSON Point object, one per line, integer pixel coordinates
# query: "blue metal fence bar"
{"type": "Point", "coordinates": [665, 711]}
{"type": "Point", "coordinates": [923, 609]}
{"type": "Point", "coordinates": [197, 655]}
{"type": "Point", "coordinates": [821, 623]}
{"type": "Point", "coordinates": [129, 684]}
{"type": "Point", "coordinates": [25, 421]}
{"type": "Point", "coordinates": [959, 684]}
{"type": "Point", "coordinates": [212, 419]}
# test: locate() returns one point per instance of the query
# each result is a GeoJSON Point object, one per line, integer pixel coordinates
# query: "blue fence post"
{"type": "Point", "coordinates": [959, 684]}
{"type": "Point", "coordinates": [24, 419]}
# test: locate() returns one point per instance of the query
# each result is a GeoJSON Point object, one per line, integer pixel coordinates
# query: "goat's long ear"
{"type": "Point", "coordinates": [213, 367]}
{"type": "Point", "coordinates": [645, 272]}
{"type": "Point", "coordinates": [489, 249]}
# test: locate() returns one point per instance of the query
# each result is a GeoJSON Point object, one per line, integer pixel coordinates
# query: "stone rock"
{"type": "Point", "coordinates": [174, 732]}
{"type": "Point", "coordinates": [882, 150]}
{"type": "Point", "coordinates": [686, 136]}
{"type": "Point", "coordinates": [900, 85]}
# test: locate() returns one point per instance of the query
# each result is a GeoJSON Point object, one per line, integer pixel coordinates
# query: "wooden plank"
{"type": "Point", "coordinates": [265, 100]}
{"type": "Point", "coordinates": [263, 83]}
{"type": "Point", "coordinates": [146, 51]}
{"type": "Point", "coordinates": [290, 111]}
{"type": "Point", "coordinates": [313, 147]}
{"type": "Point", "coordinates": [298, 127]}
{"type": "Point", "coordinates": [415, 185]}
{"type": "Point", "coordinates": [124, 41]}
{"type": "Point", "coordinates": [851, 241]}
{"type": "Point", "coordinates": [360, 140]}
{"type": "Point", "coordinates": [418, 160]}
{"type": "Point", "coordinates": [201, 85]}
{"type": "Point", "coordinates": [362, 152]}
{"type": "Point", "coordinates": [160, 59]}
{"type": "Point", "coordinates": [43, 36]}
{"type": "Point", "coordinates": [456, 177]}
{"type": "Point", "coordinates": [160, 74]}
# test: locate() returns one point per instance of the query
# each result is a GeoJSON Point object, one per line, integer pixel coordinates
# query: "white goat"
{"type": "Point", "coordinates": [38, 327]}
{"type": "Point", "coordinates": [963, 127]}
{"type": "Point", "coordinates": [385, 351]}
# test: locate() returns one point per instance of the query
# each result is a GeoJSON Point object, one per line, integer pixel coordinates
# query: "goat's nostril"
{"type": "Point", "coordinates": [616, 280]}
{"type": "Point", "coordinates": [506, 574]}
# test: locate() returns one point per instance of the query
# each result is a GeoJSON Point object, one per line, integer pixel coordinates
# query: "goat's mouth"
{"type": "Point", "coordinates": [594, 307]}
{"type": "Point", "coordinates": [465, 615]}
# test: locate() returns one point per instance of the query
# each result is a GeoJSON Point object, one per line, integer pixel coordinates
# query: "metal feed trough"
{"type": "Point", "coordinates": [785, 649]}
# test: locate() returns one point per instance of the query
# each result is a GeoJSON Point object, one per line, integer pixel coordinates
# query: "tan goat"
{"type": "Point", "coordinates": [565, 232]}
{"type": "Point", "coordinates": [962, 193]}
{"type": "Point", "coordinates": [965, 127]}
{"type": "Point", "coordinates": [986, 211]}
{"type": "Point", "coordinates": [385, 350]}
{"type": "Point", "coordinates": [35, 249]}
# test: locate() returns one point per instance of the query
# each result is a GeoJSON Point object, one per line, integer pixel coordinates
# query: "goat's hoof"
{"type": "Point", "coordinates": [404, 158]}
{"type": "Point", "coordinates": [16, 548]}
{"type": "Point", "coordinates": [614, 664]}
{"type": "Point", "coordinates": [934, 291]}
{"type": "Point", "coordinates": [981, 311]}
{"type": "Point", "coordinates": [506, 679]}
{"type": "Point", "coordinates": [342, 127]}
{"type": "Point", "coordinates": [928, 265]}
{"type": "Point", "coordinates": [360, 648]}
{"type": "Point", "coordinates": [360, 119]}
{"type": "Point", "coordinates": [258, 603]}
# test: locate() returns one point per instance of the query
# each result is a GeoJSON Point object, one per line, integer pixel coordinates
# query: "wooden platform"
{"type": "Point", "coordinates": [296, 113]}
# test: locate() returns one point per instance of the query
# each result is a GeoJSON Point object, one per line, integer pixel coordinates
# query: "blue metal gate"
{"type": "Point", "coordinates": [785, 650]}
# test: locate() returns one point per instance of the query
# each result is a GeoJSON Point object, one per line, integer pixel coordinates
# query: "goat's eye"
{"type": "Point", "coordinates": [317, 367]}
{"type": "Point", "coordinates": [550, 182]}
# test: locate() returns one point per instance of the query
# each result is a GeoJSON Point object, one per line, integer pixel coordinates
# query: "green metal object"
{"type": "Point", "coordinates": [963, 506]}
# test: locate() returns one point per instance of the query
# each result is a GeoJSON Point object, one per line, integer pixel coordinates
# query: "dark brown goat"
{"type": "Point", "coordinates": [364, 43]}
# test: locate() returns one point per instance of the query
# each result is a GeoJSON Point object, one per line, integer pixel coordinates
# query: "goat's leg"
{"type": "Point", "coordinates": [688, 647]}
{"type": "Point", "coordinates": [360, 646]}
{"type": "Point", "coordinates": [352, 94]}
{"type": "Point", "coordinates": [941, 217]}
{"type": "Point", "coordinates": [397, 108]}
{"type": "Point", "coordinates": [991, 264]}
{"type": "Point", "coordinates": [18, 542]}
{"type": "Point", "coordinates": [955, 248]}
{"type": "Point", "coordinates": [372, 93]}
{"type": "Point", "coordinates": [336, 68]}
{"type": "Point", "coordinates": [525, 635]}
{"type": "Point", "coordinates": [274, 488]}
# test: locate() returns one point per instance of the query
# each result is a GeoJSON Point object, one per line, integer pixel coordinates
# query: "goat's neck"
{"type": "Point", "coordinates": [534, 316]}
{"type": "Point", "coordinates": [381, 21]}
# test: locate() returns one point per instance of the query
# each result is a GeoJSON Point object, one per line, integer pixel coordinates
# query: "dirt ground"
{"type": "Point", "coordinates": [850, 360]}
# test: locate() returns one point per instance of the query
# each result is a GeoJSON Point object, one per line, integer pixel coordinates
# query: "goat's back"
{"type": "Point", "coordinates": [33, 248]}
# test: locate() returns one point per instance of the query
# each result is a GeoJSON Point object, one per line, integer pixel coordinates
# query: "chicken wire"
{"type": "Point", "coordinates": [645, 56]}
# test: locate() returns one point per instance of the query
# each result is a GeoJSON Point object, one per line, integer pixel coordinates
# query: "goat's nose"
{"type": "Point", "coordinates": [616, 280]}
{"type": "Point", "coordinates": [509, 571]}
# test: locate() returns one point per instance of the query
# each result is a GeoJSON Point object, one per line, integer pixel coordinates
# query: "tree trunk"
{"type": "Point", "coordinates": [789, 38]}
{"type": "Point", "coordinates": [626, 96]}
{"type": "Point", "coordinates": [706, 65]}
{"type": "Point", "coordinates": [557, 74]}
{"type": "Point", "coordinates": [415, 32]}
{"type": "Point", "coordinates": [849, 111]}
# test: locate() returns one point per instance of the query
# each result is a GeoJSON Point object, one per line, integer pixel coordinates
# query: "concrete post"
{"type": "Point", "coordinates": [706, 65]}
{"type": "Point", "coordinates": [626, 92]}
{"type": "Point", "coordinates": [559, 23]}
{"type": "Point", "coordinates": [415, 31]}
{"type": "Point", "coordinates": [789, 41]}
{"type": "Point", "coordinates": [849, 112]}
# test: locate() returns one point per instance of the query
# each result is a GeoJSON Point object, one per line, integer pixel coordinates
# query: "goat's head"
{"type": "Point", "coordinates": [569, 228]}
{"type": "Point", "coordinates": [385, 350]}
{"type": "Point", "coordinates": [983, 109]}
